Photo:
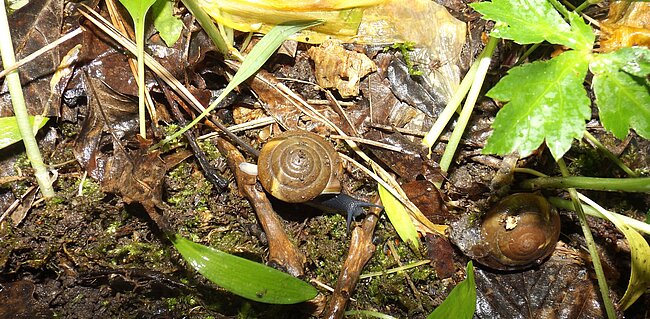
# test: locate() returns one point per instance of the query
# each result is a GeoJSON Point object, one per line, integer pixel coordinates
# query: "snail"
{"type": "Point", "coordinates": [519, 232]}
{"type": "Point", "coordinates": [302, 167]}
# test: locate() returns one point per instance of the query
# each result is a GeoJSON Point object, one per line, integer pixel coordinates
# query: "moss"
{"type": "Point", "coordinates": [326, 245]}
{"type": "Point", "coordinates": [210, 149]}
{"type": "Point", "coordinates": [189, 189]}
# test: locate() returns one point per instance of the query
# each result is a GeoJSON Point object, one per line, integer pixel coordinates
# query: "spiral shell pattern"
{"type": "Point", "coordinates": [296, 166]}
{"type": "Point", "coordinates": [520, 231]}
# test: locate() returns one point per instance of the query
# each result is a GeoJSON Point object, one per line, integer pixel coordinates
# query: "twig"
{"type": "Point", "coordinates": [369, 142]}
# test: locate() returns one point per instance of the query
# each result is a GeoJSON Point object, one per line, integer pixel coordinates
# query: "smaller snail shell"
{"type": "Point", "coordinates": [296, 166]}
{"type": "Point", "coordinates": [520, 231]}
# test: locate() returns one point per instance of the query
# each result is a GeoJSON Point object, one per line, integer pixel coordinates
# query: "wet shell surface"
{"type": "Point", "coordinates": [519, 232]}
{"type": "Point", "coordinates": [297, 166]}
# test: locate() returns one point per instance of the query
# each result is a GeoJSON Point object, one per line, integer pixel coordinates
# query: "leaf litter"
{"type": "Point", "coordinates": [111, 235]}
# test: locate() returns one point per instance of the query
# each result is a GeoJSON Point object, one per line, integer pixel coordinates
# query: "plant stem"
{"type": "Point", "coordinates": [483, 65]}
{"type": "Point", "coordinates": [208, 26]}
{"type": "Point", "coordinates": [20, 109]}
{"type": "Point", "coordinates": [591, 245]}
{"type": "Point", "coordinates": [560, 8]}
{"type": "Point", "coordinates": [609, 155]}
{"type": "Point", "coordinates": [529, 171]}
{"type": "Point", "coordinates": [585, 4]}
{"type": "Point", "coordinates": [634, 223]}
{"type": "Point", "coordinates": [445, 116]}
{"type": "Point", "coordinates": [528, 52]}
{"type": "Point", "coordinates": [641, 184]}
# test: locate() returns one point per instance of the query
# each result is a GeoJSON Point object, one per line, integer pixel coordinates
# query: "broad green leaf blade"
{"type": "Point", "coordinates": [244, 277]}
{"type": "Point", "coordinates": [547, 102]}
{"type": "Point", "coordinates": [534, 21]}
{"type": "Point", "coordinates": [9, 132]}
{"type": "Point", "coordinates": [461, 302]}
{"type": "Point", "coordinates": [640, 256]}
{"type": "Point", "coordinates": [400, 218]}
{"type": "Point", "coordinates": [623, 91]}
{"type": "Point", "coordinates": [168, 25]}
{"type": "Point", "coordinates": [253, 62]}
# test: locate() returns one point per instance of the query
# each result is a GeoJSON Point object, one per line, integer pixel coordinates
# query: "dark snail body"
{"type": "Point", "coordinates": [302, 167]}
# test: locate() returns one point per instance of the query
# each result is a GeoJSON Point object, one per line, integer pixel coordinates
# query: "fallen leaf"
{"type": "Point", "coordinates": [339, 68]}
{"type": "Point", "coordinates": [627, 25]}
{"type": "Point", "coordinates": [32, 27]}
{"type": "Point", "coordinates": [559, 288]}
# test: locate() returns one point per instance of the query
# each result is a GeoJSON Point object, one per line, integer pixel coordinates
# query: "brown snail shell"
{"type": "Point", "coordinates": [520, 231]}
{"type": "Point", "coordinates": [517, 233]}
{"type": "Point", "coordinates": [297, 166]}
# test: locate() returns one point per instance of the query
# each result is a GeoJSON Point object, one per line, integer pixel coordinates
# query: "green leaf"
{"type": "Point", "coordinates": [547, 102]}
{"type": "Point", "coordinates": [534, 21]}
{"type": "Point", "coordinates": [168, 25]}
{"type": "Point", "coordinates": [138, 10]}
{"type": "Point", "coordinates": [623, 91]}
{"type": "Point", "coordinates": [400, 218]}
{"type": "Point", "coordinates": [9, 132]}
{"type": "Point", "coordinates": [263, 50]}
{"type": "Point", "coordinates": [461, 302]}
{"type": "Point", "coordinates": [244, 277]}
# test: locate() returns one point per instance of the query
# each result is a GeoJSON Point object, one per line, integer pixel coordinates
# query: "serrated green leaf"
{"type": "Point", "coordinates": [168, 25]}
{"type": "Point", "coordinates": [534, 21]}
{"type": "Point", "coordinates": [461, 301]}
{"type": "Point", "coordinates": [400, 218]}
{"type": "Point", "coordinates": [547, 102]}
{"type": "Point", "coordinates": [622, 91]}
{"type": "Point", "coordinates": [244, 277]}
{"type": "Point", "coordinates": [9, 132]}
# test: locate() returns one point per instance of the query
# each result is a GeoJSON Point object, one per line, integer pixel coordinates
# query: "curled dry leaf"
{"type": "Point", "coordinates": [340, 18]}
{"type": "Point", "coordinates": [627, 25]}
{"type": "Point", "coordinates": [339, 68]}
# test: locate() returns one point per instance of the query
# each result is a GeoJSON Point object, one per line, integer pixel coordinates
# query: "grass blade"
{"type": "Point", "coordinates": [253, 62]}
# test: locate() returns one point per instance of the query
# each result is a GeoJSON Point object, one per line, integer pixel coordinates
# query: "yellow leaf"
{"type": "Point", "coordinates": [640, 256]}
{"type": "Point", "coordinates": [400, 218]}
{"type": "Point", "coordinates": [340, 18]}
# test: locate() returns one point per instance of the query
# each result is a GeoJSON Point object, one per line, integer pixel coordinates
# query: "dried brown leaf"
{"type": "Point", "coordinates": [560, 288]}
{"type": "Point", "coordinates": [339, 68]}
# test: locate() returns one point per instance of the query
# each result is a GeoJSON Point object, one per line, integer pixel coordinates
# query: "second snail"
{"type": "Point", "coordinates": [519, 232]}
{"type": "Point", "coordinates": [301, 167]}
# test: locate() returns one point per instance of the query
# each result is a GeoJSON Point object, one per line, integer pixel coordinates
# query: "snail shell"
{"type": "Point", "coordinates": [297, 166]}
{"type": "Point", "coordinates": [519, 232]}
